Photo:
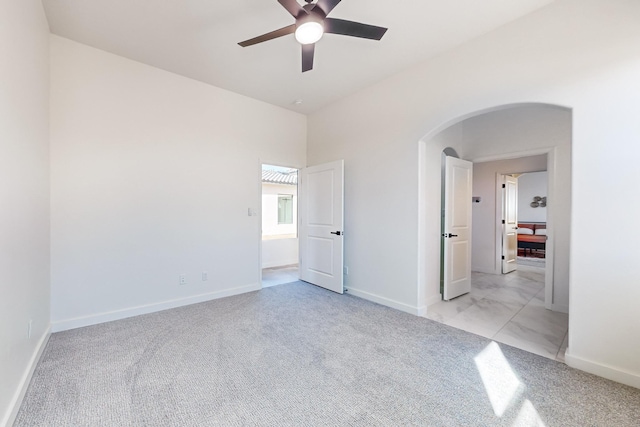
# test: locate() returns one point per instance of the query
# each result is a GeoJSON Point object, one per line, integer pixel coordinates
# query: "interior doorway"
{"type": "Point", "coordinates": [508, 304]}
{"type": "Point", "coordinates": [279, 243]}
{"type": "Point", "coordinates": [532, 217]}
{"type": "Point", "coordinates": [528, 307]}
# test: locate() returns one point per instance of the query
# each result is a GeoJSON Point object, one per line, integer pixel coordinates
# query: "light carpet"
{"type": "Point", "coordinates": [297, 355]}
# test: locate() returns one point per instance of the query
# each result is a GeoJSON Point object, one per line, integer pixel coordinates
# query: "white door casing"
{"type": "Point", "coordinates": [321, 219]}
{"type": "Point", "coordinates": [509, 224]}
{"type": "Point", "coordinates": [457, 227]}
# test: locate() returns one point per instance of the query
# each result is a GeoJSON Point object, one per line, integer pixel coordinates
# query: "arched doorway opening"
{"type": "Point", "coordinates": [508, 138]}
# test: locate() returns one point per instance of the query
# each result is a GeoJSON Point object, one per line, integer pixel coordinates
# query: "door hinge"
{"type": "Point", "coordinates": [504, 185]}
{"type": "Point", "coordinates": [503, 221]}
{"type": "Point", "coordinates": [503, 257]}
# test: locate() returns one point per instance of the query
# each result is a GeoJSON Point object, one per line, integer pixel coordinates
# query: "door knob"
{"type": "Point", "coordinates": [337, 233]}
{"type": "Point", "coordinates": [450, 235]}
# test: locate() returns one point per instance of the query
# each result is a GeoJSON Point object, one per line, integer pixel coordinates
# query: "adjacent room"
{"type": "Point", "coordinates": [233, 212]}
{"type": "Point", "coordinates": [279, 225]}
{"type": "Point", "coordinates": [512, 298]}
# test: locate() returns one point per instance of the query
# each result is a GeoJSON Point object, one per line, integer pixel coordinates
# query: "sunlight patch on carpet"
{"type": "Point", "coordinates": [528, 416]}
{"type": "Point", "coordinates": [500, 382]}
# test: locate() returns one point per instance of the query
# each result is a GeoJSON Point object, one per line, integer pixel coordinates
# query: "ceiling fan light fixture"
{"type": "Point", "coordinates": [311, 22]}
{"type": "Point", "coordinates": [309, 32]}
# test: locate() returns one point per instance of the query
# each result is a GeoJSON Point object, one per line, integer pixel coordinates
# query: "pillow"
{"type": "Point", "coordinates": [525, 231]}
{"type": "Point", "coordinates": [541, 231]}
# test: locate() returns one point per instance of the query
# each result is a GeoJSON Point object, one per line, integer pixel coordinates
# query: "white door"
{"type": "Point", "coordinates": [457, 227]}
{"type": "Point", "coordinates": [321, 220]}
{"type": "Point", "coordinates": [509, 224]}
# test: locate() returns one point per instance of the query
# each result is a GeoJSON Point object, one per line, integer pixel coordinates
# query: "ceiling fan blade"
{"type": "Point", "coordinates": [269, 36]}
{"type": "Point", "coordinates": [307, 56]}
{"type": "Point", "coordinates": [327, 5]}
{"type": "Point", "coordinates": [293, 7]}
{"type": "Point", "coordinates": [354, 29]}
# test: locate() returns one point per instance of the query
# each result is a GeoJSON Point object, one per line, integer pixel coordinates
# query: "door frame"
{"type": "Point", "coordinates": [258, 210]}
{"type": "Point", "coordinates": [549, 247]}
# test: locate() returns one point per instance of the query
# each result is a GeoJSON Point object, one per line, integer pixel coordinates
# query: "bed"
{"type": "Point", "coordinates": [532, 236]}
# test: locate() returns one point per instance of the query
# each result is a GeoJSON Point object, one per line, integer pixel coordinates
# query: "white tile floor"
{"type": "Point", "coordinates": [279, 275]}
{"type": "Point", "coordinates": [509, 309]}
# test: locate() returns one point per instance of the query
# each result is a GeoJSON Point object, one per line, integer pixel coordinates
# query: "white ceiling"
{"type": "Point", "coordinates": [198, 39]}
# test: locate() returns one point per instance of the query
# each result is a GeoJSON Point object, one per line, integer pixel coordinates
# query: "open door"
{"type": "Point", "coordinates": [321, 220]}
{"type": "Point", "coordinates": [509, 224]}
{"type": "Point", "coordinates": [457, 227]}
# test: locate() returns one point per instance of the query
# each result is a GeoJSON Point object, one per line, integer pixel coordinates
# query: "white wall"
{"type": "Point", "coordinates": [531, 185]}
{"type": "Point", "coordinates": [24, 195]}
{"type": "Point", "coordinates": [279, 252]}
{"type": "Point", "coordinates": [485, 249]}
{"type": "Point", "coordinates": [138, 159]}
{"type": "Point", "coordinates": [270, 193]}
{"type": "Point", "coordinates": [278, 247]}
{"type": "Point", "coordinates": [580, 54]}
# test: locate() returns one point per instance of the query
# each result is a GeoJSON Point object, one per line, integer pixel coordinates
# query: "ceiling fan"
{"type": "Point", "coordinates": [311, 23]}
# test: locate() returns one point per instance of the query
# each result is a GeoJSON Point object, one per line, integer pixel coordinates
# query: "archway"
{"type": "Point", "coordinates": [502, 133]}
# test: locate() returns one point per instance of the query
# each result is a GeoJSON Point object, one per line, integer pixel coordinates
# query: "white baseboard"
{"type": "Point", "coordinates": [16, 401]}
{"type": "Point", "coordinates": [486, 270]}
{"type": "Point", "coordinates": [280, 263]}
{"type": "Point", "coordinates": [386, 301]}
{"type": "Point", "coordinates": [94, 319]}
{"type": "Point", "coordinates": [560, 308]}
{"type": "Point", "coordinates": [602, 370]}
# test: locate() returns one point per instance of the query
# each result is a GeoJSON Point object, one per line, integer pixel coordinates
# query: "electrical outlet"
{"type": "Point", "coordinates": [183, 279]}
{"type": "Point", "coordinates": [204, 276]}
{"type": "Point", "coordinates": [346, 270]}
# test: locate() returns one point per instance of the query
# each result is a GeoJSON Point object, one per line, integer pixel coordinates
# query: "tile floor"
{"type": "Point", "coordinates": [279, 275]}
{"type": "Point", "coordinates": [508, 309]}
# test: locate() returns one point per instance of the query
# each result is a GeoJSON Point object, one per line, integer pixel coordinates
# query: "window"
{"type": "Point", "coordinates": [285, 209]}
